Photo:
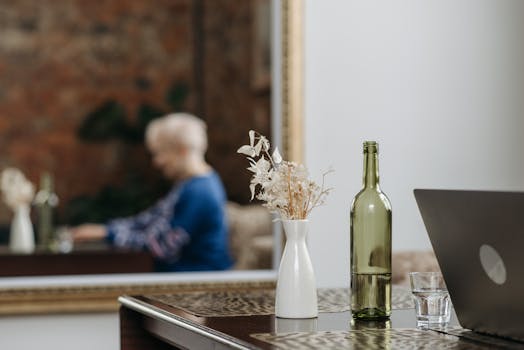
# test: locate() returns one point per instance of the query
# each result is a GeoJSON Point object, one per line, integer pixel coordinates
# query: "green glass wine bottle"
{"type": "Point", "coordinates": [370, 230]}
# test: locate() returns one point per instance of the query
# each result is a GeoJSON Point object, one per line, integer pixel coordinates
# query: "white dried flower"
{"type": "Point", "coordinates": [277, 158]}
{"type": "Point", "coordinates": [284, 187]}
{"type": "Point", "coordinates": [16, 189]}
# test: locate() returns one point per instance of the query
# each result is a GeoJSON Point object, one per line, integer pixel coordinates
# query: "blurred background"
{"type": "Point", "coordinates": [79, 80]}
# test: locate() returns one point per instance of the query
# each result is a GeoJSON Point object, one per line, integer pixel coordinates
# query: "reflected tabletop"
{"type": "Point", "coordinates": [84, 259]}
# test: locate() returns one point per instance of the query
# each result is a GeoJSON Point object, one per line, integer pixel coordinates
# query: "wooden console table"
{"type": "Point", "coordinates": [86, 261]}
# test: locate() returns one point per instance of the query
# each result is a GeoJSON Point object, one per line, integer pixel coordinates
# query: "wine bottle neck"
{"type": "Point", "coordinates": [371, 177]}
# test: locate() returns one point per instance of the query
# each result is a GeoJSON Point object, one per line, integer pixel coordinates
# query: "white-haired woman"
{"type": "Point", "coordinates": [187, 229]}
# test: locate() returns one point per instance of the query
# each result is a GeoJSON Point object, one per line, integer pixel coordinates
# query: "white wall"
{"type": "Point", "coordinates": [440, 85]}
{"type": "Point", "coordinates": [60, 332]}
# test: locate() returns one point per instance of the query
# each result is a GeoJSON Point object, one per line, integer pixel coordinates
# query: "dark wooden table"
{"type": "Point", "coordinates": [82, 261]}
{"type": "Point", "coordinates": [147, 322]}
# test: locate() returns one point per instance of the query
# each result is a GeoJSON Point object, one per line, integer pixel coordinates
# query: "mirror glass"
{"type": "Point", "coordinates": [80, 80]}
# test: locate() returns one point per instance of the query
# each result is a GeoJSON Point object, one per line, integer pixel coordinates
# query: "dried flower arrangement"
{"type": "Point", "coordinates": [16, 188]}
{"type": "Point", "coordinates": [284, 186]}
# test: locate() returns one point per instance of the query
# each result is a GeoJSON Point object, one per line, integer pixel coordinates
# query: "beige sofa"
{"type": "Point", "coordinates": [250, 236]}
{"type": "Point", "coordinates": [408, 261]}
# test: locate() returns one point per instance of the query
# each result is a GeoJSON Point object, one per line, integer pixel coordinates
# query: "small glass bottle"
{"type": "Point", "coordinates": [370, 230]}
{"type": "Point", "coordinates": [45, 201]}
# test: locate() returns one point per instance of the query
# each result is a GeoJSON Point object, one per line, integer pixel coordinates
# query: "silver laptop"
{"type": "Point", "coordinates": [478, 238]}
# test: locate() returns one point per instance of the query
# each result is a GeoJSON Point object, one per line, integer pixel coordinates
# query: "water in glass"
{"type": "Point", "coordinates": [432, 306]}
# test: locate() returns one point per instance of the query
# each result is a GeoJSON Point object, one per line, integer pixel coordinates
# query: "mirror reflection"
{"type": "Point", "coordinates": [80, 82]}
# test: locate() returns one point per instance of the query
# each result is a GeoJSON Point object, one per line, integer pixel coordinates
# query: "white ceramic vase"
{"type": "Point", "coordinates": [21, 238]}
{"type": "Point", "coordinates": [296, 295]}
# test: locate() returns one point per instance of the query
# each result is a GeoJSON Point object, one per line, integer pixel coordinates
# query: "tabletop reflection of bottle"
{"type": "Point", "coordinates": [356, 324]}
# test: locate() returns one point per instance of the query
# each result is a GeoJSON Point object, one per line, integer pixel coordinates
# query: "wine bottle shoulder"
{"type": "Point", "coordinates": [373, 197]}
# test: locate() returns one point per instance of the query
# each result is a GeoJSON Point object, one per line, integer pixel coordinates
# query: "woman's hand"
{"type": "Point", "coordinates": [88, 232]}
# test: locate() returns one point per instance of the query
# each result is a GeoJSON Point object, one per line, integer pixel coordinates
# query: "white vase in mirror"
{"type": "Point", "coordinates": [22, 239]}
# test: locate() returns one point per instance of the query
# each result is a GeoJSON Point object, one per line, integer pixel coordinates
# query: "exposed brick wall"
{"type": "Point", "coordinates": [232, 105]}
{"type": "Point", "coordinates": [61, 59]}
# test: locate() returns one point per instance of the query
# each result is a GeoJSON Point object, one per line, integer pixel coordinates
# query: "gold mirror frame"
{"type": "Point", "coordinates": [39, 295]}
{"type": "Point", "coordinates": [292, 79]}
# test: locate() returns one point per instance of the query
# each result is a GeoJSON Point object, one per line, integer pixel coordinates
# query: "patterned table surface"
{"type": "Point", "coordinates": [371, 339]}
{"type": "Point", "coordinates": [223, 304]}
{"type": "Point", "coordinates": [262, 302]}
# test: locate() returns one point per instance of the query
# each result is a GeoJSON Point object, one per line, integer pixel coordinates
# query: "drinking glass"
{"type": "Point", "coordinates": [432, 302]}
{"type": "Point", "coordinates": [63, 240]}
